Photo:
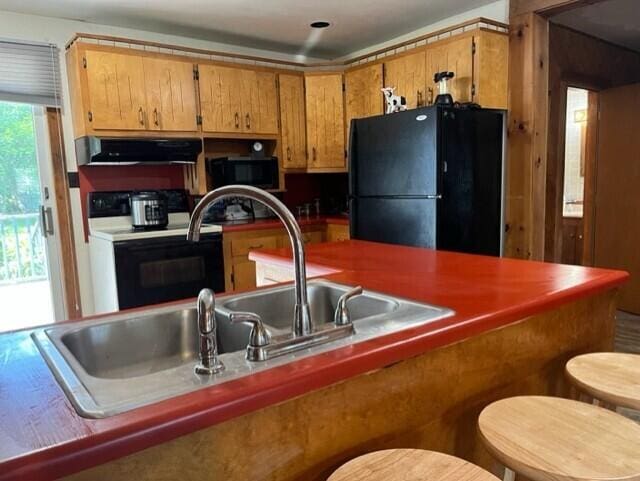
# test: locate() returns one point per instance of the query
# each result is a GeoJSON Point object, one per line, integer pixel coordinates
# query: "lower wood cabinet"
{"type": "Point", "coordinates": [337, 232]}
{"type": "Point", "coordinates": [240, 272]}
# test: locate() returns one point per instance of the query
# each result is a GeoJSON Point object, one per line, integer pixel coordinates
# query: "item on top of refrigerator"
{"type": "Point", "coordinates": [395, 103]}
{"type": "Point", "coordinates": [442, 79]}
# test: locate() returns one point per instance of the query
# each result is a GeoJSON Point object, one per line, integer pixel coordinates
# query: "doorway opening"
{"type": "Point", "coordinates": [30, 283]}
{"type": "Point", "coordinates": [580, 147]}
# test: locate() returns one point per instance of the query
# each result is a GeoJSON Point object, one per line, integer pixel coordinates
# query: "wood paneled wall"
{"type": "Point", "coordinates": [527, 130]}
{"type": "Point", "coordinates": [579, 60]}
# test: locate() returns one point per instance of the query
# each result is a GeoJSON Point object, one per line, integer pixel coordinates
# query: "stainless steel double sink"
{"type": "Point", "coordinates": [114, 364]}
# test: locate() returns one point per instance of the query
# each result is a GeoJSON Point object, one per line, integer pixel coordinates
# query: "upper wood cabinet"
{"type": "Point", "coordinates": [491, 70]}
{"type": "Point", "coordinates": [293, 123]}
{"type": "Point", "coordinates": [454, 56]}
{"type": "Point", "coordinates": [407, 74]}
{"type": "Point", "coordinates": [171, 95]}
{"type": "Point", "coordinates": [220, 98]}
{"type": "Point", "coordinates": [115, 91]}
{"type": "Point", "coordinates": [235, 100]}
{"type": "Point", "coordinates": [325, 123]}
{"type": "Point", "coordinates": [363, 92]}
{"type": "Point", "coordinates": [479, 61]}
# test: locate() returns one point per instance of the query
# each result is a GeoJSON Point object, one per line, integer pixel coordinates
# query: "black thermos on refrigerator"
{"type": "Point", "coordinates": [429, 177]}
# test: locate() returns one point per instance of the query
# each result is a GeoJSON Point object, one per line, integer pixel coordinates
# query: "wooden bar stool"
{"type": "Point", "coordinates": [409, 465]}
{"type": "Point", "coordinates": [554, 439]}
{"type": "Point", "coordinates": [608, 376]}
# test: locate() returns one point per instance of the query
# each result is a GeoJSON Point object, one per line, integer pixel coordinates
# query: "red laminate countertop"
{"type": "Point", "coordinates": [261, 224]}
{"type": "Point", "coordinates": [42, 437]}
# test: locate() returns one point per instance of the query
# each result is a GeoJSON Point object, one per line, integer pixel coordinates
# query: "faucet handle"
{"type": "Point", "coordinates": [342, 316]}
{"type": "Point", "coordinates": [260, 335]}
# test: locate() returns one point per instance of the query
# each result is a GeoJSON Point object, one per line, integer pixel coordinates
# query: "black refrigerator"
{"type": "Point", "coordinates": [429, 177]}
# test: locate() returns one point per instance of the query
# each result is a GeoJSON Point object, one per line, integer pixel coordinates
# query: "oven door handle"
{"type": "Point", "coordinates": [142, 245]}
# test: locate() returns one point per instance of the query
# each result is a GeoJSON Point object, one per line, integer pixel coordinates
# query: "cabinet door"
{"type": "Point", "coordinates": [455, 56]}
{"type": "Point", "coordinates": [408, 75]}
{"type": "Point", "coordinates": [116, 91]}
{"type": "Point", "coordinates": [325, 122]}
{"type": "Point", "coordinates": [491, 70]}
{"type": "Point", "coordinates": [171, 95]}
{"type": "Point", "coordinates": [363, 93]}
{"type": "Point", "coordinates": [244, 275]}
{"type": "Point", "coordinates": [265, 117]}
{"type": "Point", "coordinates": [220, 98]}
{"type": "Point", "coordinates": [249, 100]}
{"type": "Point", "coordinates": [294, 138]}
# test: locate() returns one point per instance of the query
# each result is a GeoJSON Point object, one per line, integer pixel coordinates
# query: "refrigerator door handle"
{"type": "Point", "coordinates": [437, 196]}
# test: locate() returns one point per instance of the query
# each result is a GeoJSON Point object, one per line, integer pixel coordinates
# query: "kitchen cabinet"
{"type": "Point", "coordinates": [115, 91]}
{"type": "Point", "coordinates": [293, 123]}
{"type": "Point", "coordinates": [240, 272]}
{"type": "Point", "coordinates": [491, 70]}
{"type": "Point", "coordinates": [220, 98]}
{"type": "Point", "coordinates": [454, 56]}
{"type": "Point", "coordinates": [363, 93]}
{"type": "Point", "coordinates": [407, 73]}
{"type": "Point", "coordinates": [325, 123]}
{"type": "Point", "coordinates": [337, 232]}
{"type": "Point", "coordinates": [234, 100]}
{"type": "Point", "coordinates": [170, 95]}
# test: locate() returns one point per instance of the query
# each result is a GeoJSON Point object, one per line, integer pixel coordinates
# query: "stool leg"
{"type": "Point", "coordinates": [509, 475]}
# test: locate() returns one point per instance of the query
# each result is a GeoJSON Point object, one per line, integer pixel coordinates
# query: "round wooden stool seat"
{"type": "Point", "coordinates": [608, 376]}
{"type": "Point", "coordinates": [409, 465]}
{"type": "Point", "coordinates": [546, 438]}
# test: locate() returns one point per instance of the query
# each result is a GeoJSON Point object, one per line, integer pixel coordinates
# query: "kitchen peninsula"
{"type": "Point", "coordinates": [516, 323]}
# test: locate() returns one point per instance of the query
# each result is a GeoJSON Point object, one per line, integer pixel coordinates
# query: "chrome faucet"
{"type": "Point", "coordinates": [302, 322]}
{"type": "Point", "coordinates": [209, 362]}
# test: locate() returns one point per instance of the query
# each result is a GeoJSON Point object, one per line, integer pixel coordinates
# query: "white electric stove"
{"type": "Point", "coordinates": [132, 267]}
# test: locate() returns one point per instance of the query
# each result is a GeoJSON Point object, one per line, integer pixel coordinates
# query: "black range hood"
{"type": "Point", "coordinates": [108, 151]}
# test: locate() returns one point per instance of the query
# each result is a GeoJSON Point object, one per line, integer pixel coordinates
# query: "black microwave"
{"type": "Point", "coordinates": [258, 172]}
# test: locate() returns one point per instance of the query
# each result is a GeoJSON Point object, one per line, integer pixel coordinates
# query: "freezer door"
{"type": "Point", "coordinates": [410, 222]}
{"type": "Point", "coordinates": [394, 154]}
{"type": "Point", "coordinates": [470, 216]}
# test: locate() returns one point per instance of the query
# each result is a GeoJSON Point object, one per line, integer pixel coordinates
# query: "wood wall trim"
{"type": "Point", "coordinates": [69, 263]}
{"type": "Point", "coordinates": [527, 130]}
{"type": "Point", "coordinates": [144, 44]}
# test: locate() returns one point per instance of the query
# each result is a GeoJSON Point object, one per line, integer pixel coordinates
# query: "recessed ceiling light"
{"type": "Point", "coordinates": [320, 24]}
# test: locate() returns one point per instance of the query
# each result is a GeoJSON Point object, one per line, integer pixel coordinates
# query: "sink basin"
{"type": "Point", "coordinates": [275, 306]}
{"type": "Point", "coordinates": [111, 365]}
{"type": "Point", "coordinates": [144, 345]}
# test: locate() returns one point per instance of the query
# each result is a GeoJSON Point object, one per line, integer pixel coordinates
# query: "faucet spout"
{"type": "Point", "coordinates": [302, 322]}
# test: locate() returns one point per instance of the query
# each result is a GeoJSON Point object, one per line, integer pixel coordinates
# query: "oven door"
{"type": "Point", "coordinates": [152, 271]}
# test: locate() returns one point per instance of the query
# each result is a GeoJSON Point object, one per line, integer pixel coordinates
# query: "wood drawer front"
{"type": "Point", "coordinates": [337, 232]}
{"type": "Point", "coordinates": [312, 237]}
{"type": "Point", "coordinates": [242, 247]}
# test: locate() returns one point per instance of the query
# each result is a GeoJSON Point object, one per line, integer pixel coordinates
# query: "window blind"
{"type": "Point", "coordinates": [29, 73]}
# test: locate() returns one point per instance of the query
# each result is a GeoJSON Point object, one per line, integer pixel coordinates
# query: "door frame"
{"type": "Point", "coordinates": [528, 123]}
{"type": "Point", "coordinates": [61, 252]}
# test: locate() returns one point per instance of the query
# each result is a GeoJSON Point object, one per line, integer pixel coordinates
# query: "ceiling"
{"type": "Point", "coordinates": [617, 21]}
{"type": "Point", "coordinates": [277, 25]}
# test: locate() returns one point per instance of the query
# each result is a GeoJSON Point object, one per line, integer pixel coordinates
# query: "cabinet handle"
{"type": "Point", "coordinates": [288, 153]}
{"type": "Point", "coordinates": [237, 117]}
{"type": "Point", "coordinates": [430, 96]}
{"type": "Point", "coordinates": [247, 121]}
{"type": "Point", "coordinates": [141, 116]}
{"type": "Point", "coordinates": [156, 120]}
{"type": "Point", "coordinates": [313, 154]}
{"type": "Point", "coordinates": [259, 246]}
